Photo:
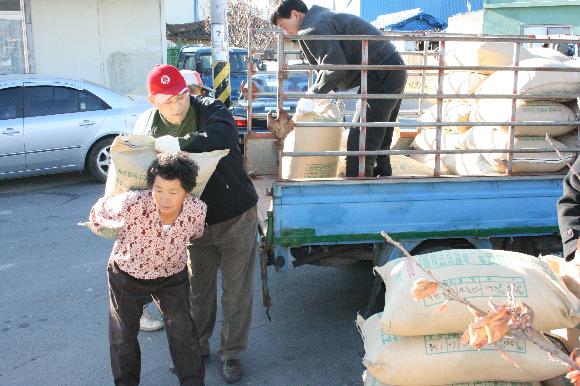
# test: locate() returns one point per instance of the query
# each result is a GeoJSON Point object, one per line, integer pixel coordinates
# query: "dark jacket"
{"type": "Point", "coordinates": [322, 21]}
{"type": "Point", "coordinates": [229, 192]}
{"type": "Point", "coordinates": [569, 212]}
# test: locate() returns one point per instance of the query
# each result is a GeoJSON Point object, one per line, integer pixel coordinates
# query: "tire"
{"type": "Point", "coordinates": [430, 246]}
{"type": "Point", "coordinates": [99, 159]}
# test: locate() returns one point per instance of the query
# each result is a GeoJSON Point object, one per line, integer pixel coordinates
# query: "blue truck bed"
{"type": "Point", "coordinates": [331, 212]}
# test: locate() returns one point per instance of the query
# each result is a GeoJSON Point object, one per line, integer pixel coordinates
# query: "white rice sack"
{"type": "Point", "coordinates": [427, 139]}
{"type": "Point", "coordinates": [452, 111]}
{"type": "Point", "coordinates": [479, 275]}
{"type": "Point", "coordinates": [473, 164]}
{"type": "Point", "coordinates": [462, 82]}
{"type": "Point", "coordinates": [497, 54]}
{"type": "Point", "coordinates": [404, 166]}
{"type": "Point", "coordinates": [542, 83]}
{"type": "Point", "coordinates": [440, 359]}
{"type": "Point", "coordinates": [369, 380]}
{"type": "Point", "coordinates": [500, 110]}
{"type": "Point", "coordinates": [131, 155]}
{"type": "Point", "coordinates": [486, 137]}
{"type": "Point", "coordinates": [428, 160]}
{"type": "Point", "coordinates": [305, 139]}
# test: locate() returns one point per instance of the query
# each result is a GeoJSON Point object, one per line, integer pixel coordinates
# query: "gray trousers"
{"type": "Point", "coordinates": [229, 246]}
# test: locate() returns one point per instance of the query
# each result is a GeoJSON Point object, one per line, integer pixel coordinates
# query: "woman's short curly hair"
{"type": "Point", "coordinates": [171, 166]}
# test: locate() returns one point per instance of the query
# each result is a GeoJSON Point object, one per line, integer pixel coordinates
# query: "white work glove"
{"type": "Point", "coordinates": [305, 105]}
{"type": "Point", "coordinates": [167, 143]}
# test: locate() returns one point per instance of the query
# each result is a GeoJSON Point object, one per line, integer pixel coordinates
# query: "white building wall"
{"type": "Point", "coordinates": [180, 11]}
{"type": "Point", "coordinates": [110, 42]}
{"type": "Point", "coordinates": [466, 23]}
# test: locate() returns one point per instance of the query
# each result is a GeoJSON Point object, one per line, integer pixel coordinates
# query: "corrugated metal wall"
{"type": "Point", "coordinates": [441, 9]}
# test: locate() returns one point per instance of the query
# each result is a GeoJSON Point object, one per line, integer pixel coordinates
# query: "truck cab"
{"type": "Point", "coordinates": [198, 58]}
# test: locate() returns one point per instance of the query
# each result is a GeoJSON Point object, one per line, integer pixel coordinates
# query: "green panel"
{"type": "Point", "coordinates": [507, 19]}
{"type": "Point", "coordinates": [172, 55]}
{"type": "Point", "coordinates": [527, 4]}
{"type": "Point", "coordinates": [298, 237]}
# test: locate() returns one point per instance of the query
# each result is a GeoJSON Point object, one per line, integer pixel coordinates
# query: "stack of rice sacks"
{"type": "Point", "coordinates": [417, 343]}
{"type": "Point", "coordinates": [547, 108]}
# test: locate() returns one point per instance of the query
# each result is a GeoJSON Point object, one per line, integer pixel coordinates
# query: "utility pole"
{"type": "Point", "coordinates": [220, 53]}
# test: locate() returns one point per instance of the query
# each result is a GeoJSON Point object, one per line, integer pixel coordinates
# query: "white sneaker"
{"type": "Point", "coordinates": [148, 322]}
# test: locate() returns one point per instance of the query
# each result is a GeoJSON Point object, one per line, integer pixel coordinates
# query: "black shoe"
{"type": "Point", "coordinates": [232, 370]}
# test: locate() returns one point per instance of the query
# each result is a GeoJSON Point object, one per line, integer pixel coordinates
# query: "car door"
{"type": "Point", "coordinates": [12, 158]}
{"type": "Point", "coordinates": [57, 126]}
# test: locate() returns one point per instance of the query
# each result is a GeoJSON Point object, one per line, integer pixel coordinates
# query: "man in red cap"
{"type": "Point", "coordinates": [200, 124]}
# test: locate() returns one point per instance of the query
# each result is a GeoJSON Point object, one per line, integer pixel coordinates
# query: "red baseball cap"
{"type": "Point", "coordinates": [165, 81]}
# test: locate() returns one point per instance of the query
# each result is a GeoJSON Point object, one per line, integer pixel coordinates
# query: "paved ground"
{"type": "Point", "coordinates": [53, 304]}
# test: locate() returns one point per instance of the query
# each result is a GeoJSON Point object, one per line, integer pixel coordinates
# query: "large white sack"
{"type": "Point", "coordinates": [479, 275]}
{"type": "Point", "coordinates": [306, 139]}
{"type": "Point", "coordinates": [462, 82]}
{"type": "Point", "coordinates": [131, 156]}
{"type": "Point", "coordinates": [493, 54]}
{"type": "Point", "coordinates": [473, 164]}
{"type": "Point", "coordinates": [451, 111]}
{"type": "Point", "coordinates": [427, 139]}
{"type": "Point", "coordinates": [440, 359]}
{"type": "Point", "coordinates": [369, 380]}
{"type": "Point", "coordinates": [542, 83]}
{"type": "Point", "coordinates": [428, 160]}
{"type": "Point", "coordinates": [500, 110]}
{"type": "Point", "coordinates": [486, 137]}
{"type": "Point", "coordinates": [404, 166]}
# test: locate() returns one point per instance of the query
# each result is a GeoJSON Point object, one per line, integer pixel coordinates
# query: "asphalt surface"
{"type": "Point", "coordinates": [53, 304]}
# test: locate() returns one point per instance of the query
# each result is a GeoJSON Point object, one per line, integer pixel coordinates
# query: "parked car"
{"type": "Point", "coordinates": [268, 83]}
{"type": "Point", "coordinates": [51, 125]}
{"type": "Point", "coordinates": [198, 58]}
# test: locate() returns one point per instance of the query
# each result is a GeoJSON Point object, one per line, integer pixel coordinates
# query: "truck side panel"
{"type": "Point", "coordinates": [321, 212]}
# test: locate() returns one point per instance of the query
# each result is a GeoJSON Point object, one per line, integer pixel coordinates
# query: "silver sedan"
{"type": "Point", "coordinates": [52, 125]}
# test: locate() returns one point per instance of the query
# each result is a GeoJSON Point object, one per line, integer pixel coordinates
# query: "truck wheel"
{"type": "Point", "coordinates": [429, 246]}
{"type": "Point", "coordinates": [99, 159]}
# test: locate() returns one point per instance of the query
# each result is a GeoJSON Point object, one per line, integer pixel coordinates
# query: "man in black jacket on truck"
{"type": "Point", "coordinates": [294, 17]}
{"type": "Point", "coordinates": [200, 124]}
{"type": "Point", "coordinates": [569, 213]}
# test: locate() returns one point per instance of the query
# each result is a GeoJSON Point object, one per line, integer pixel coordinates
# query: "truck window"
{"type": "Point", "coordinates": [238, 63]}
{"type": "Point", "coordinates": [187, 62]}
{"type": "Point", "coordinates": [205, 64]}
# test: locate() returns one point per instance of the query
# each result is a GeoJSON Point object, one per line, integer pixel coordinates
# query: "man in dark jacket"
{"type": "Point", "coordinates": [569, 212]}
{"type": "Point", "coordinates": [294, 17]}
{"type": "Point", "coordinates": [199, 124]}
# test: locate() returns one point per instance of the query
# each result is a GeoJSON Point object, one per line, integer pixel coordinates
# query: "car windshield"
{"type": "Point", "coordinates": [238, 63]}
{"type": "Point", "coordinates": [296, 82]}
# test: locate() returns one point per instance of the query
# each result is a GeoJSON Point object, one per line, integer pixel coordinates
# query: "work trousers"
{"type": "Point", "coordinates": [230, 247]}
{"type": "Point", "coordinates": [378, 110]}
{"type": "Point", "coordinates": [127, 295]}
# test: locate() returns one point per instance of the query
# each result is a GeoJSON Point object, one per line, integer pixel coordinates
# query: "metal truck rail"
{"type": "Point", "coordinates": [311, 220]}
